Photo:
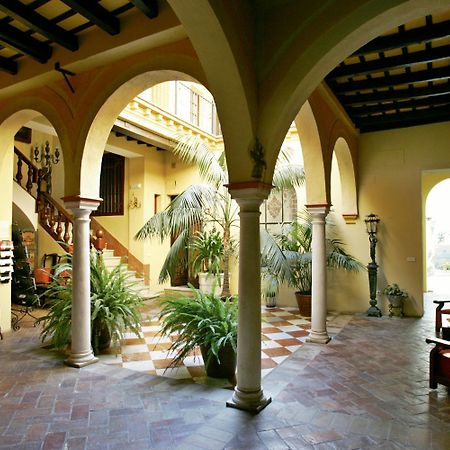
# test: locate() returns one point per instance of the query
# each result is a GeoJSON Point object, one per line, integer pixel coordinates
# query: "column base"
{"type": "Point", "coordinates": [374, 311]}
{"type": "Point", "coordinates": [318, 337]}
{"type": "Point", "coordinates": [249, 401]}
{"type": "Point", "coordinates": [80, 360]}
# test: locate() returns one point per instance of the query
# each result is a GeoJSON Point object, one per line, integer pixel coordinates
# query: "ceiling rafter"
{"type": "Point", "coordinates": [148, 7]}
{"type": "Point", "coordinates": [28, 16]}
{"type": "Point", "coordinates": [364, 110]}
{"type": "Point", "coordinates": [24, 43]}
{"type": "Point", "coordinates": [394, 94]}
{"type": "Point", "coordinates": [393, 80]}
{"type": "Point", "coordinates": [8, 65]}
{"type": "Point", "coordinates": [404, 119]}
{"type": "Point", "coordinates": [392, 62]}
{"type": "Point", "coordinates": [418, 35]}
{"type": "Point", "coordinates": [97, 14]}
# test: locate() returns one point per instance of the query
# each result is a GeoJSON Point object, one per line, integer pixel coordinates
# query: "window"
{"type": "Point", "coordinates": [279, 208]}
{"type": "Point", "coordinates": [111, 185]}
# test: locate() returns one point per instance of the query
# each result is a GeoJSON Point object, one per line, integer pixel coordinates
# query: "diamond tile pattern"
{"type": "Point", "coordinates": [283, 332]}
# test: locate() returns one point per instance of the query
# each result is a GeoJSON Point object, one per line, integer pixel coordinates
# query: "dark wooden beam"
{"type": "Point", "coordinates": [148, 7]}
{"type": "Point", "coordinates": [8, 65]}
{"type": "Point", "coordinates": [96, 14]}
{"type": "Point", "coordinates": [24, 43]}
{"type": "Point", "coordinates": [392, 80]}
{"type": "Point", "coordinates": [405, 119]}
{"type": "Point", "coordinates": [365, 110]}
{"type": "Point", "coordinates": [391, 62]}
{"type": "Point", "coordinates": [415, 36]}
{"type": "Point", "coordinates": [393, 94]}
{"type": "Point", "coordinates": [26, 15]}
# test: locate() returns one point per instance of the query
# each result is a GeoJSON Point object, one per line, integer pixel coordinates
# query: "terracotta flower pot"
{"type": "Point", "coordinates": [304, 304]}
{"type": "Point", "coordinates": [227, 366]}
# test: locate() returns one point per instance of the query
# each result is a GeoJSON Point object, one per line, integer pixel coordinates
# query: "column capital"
{"type": "Point", "coordinates": [318, 208]}
{"type": "Point", "coordinates": [73, 202]}
{"type": "Point", "coordinates": [248, 193]}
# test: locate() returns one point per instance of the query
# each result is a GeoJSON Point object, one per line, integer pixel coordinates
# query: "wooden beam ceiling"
{"type": "Point", "coordinates": [31, 30]}
{"type": "Point", "coordinates": [399, 79]}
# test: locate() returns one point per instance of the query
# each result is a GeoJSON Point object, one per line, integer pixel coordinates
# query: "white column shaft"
{"type": "Point", "coordinates": [319, 278]}
{"type": "Point", "coordinates": [81, 353]}
{"type": "Point", "coordinates": [248, 394]}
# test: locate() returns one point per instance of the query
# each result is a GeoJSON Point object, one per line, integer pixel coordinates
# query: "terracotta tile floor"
{"type": "Point", "coordinates": [366, 389]}
{"type": "Point", "coordinates": [283, 332]}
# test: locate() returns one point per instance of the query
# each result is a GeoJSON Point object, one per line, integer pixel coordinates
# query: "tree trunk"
{"type": "Point", "coordinates": [226, 262]}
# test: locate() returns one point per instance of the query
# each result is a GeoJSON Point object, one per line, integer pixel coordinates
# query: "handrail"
{"type": "Point", "coordinates": [58, 222]}
{"type": "Point", "coordinates": [34, 174]}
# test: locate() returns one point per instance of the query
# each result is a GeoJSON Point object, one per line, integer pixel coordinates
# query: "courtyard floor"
{"type": "Point", "coordinates": [366, 389]}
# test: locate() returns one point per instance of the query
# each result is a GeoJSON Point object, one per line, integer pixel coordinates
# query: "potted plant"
{"type": "Point", "coordinates": [114, 305]}
{"type": "Point", "coordinates": [208, 250]}
{"type": "Point", "coordinates": [396, 296]}
{"type": "Point", "coordinates": [289, 256]}
{"type": "Point", "coordinates": [203, 321]}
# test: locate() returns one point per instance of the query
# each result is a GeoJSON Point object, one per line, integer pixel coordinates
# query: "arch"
{"type": "Point", "coordinates": [107, 95]}
{"type": "Point", "coordinates": [430, 180]}
{"type": "Point", "coordinates": [314, 50]}
{"type": "Point", "coordinates": [316, 179]}
{"type": "Point", "coordinates": [347, 174]}
{"type": "Point", "coordinates": [16, 112]}
{"type": "Point", "coordinates": [101, 126]}
{"type": "Point", "coordinates": [226, 58]}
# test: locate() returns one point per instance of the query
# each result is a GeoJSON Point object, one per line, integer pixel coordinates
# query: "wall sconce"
{"type": "Point", "coordinates": [372, 221]}
{"type": "Point", "coordinates": [44, 156]}
{"type": "Point", "coordinates": [134, 203]}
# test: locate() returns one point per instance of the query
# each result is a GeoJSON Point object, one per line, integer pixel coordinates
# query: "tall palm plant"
{"type": "Point", "coordinates": [287, 256]}
{"type": "Point", "coordinates": [207, 203]}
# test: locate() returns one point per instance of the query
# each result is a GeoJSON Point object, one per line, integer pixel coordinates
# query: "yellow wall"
{"type": "Point", "coordinates": [391, 164]}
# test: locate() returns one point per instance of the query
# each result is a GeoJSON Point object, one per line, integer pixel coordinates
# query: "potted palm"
{"type": "Point", "coordinates": [203, 321]}
{"type": "Point", "coordinates": [206, 203]}
{"type": "Point", "coordinates": [289, 256]}
{"type": "Point", "coordinates": [208, 250]}
{"type": "Point", "coordinates": [114, 305]}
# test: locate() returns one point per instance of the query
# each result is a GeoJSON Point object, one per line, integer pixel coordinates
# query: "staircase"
{"type": "Point", "coordinates": [58, 223]}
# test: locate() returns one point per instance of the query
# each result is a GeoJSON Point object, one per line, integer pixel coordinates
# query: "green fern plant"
{"type": "Point", "coordinates": [202, 321]}
{"type": "Point", "coordinates": [115, 307]}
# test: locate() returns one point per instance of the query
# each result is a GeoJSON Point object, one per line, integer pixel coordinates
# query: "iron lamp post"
{"type": "Point", "coordinates": [372, 221]}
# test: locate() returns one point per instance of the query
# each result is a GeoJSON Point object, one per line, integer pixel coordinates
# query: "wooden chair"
{"type": "Point", "coordinates": [439, 311]}
{"type": "Point", "coordinates": [439, 362]}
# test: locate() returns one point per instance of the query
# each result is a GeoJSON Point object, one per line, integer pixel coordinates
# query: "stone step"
{"type": "Point", "coordinates": [178, 291]}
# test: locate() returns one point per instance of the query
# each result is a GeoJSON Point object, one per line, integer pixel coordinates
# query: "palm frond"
{"type": "Point", "coordinates": [193, 150]}
{"type": "Point", "coordinates": [176, 256]}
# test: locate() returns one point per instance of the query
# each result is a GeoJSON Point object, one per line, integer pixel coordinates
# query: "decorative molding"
{"type": "Point", "coordinates": [257, 154]}
{"type": "Point", "coordinates": [350, 218]}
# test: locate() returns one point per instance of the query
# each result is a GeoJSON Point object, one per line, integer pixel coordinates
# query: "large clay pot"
{"type": "Point", "coordinates": [101, 337]}
{"type": "Point", "coordinates": [304, 304]}
{"type": "Point", "coordinates": [210, 284]}
{"type": "Point", "coordinates": [226, 368]}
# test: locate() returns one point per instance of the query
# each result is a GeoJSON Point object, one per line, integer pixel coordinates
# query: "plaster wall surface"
{"type": "Point", "coordinates": [391, 164]}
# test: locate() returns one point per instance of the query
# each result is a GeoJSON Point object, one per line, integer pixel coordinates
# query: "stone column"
{"type": "Point", "coordinates": [248, 394]}
{"type": "Point", "coordinates": [318, 331]}
{"type": "Point", "coordinates": [81, 353]}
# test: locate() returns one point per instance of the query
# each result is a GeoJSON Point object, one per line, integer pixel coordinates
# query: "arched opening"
{"type": "Point", "coordinates": [437, 238]}
{"type": "Point", "coordinates": [32, 175]}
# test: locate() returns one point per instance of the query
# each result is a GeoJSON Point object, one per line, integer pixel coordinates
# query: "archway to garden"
{"type": "Point", "coordinates": [437, 237]}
